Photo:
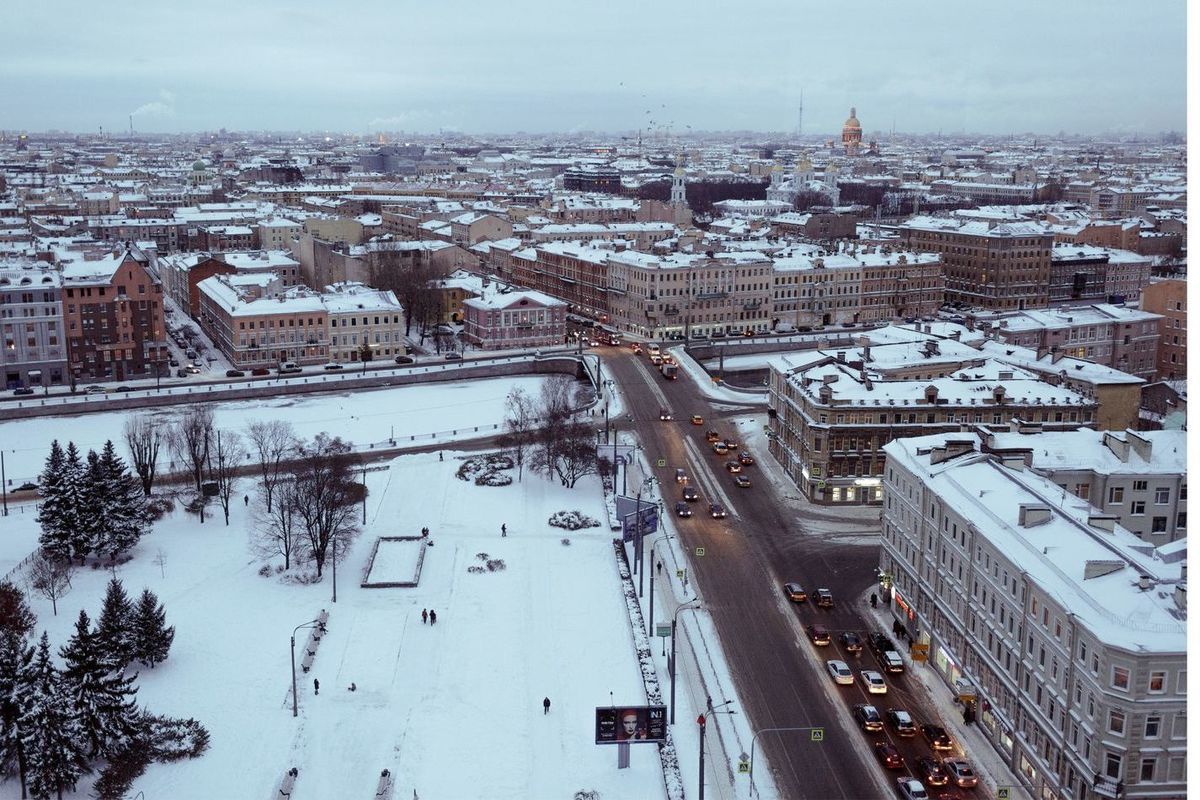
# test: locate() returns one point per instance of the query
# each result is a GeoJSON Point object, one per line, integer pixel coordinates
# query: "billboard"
{"type": "Point", "coordinates": [649, 517]}
{"type": "Point", "coordinates": [615, 725]}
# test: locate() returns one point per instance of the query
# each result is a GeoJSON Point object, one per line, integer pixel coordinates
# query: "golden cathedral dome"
{"type": "Point", "coordinates": [853, 121]}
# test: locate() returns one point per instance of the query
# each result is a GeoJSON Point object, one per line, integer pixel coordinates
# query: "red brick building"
{"type": "Point", "coordinates": [113, 314]}
{"type": "Point", "coordinates": [1169, 298]}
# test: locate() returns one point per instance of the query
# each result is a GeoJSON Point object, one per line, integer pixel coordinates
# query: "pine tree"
{"type": "Point", "coordinates": [76, 517]}
{"type": "Point", "coordinates": [52, 517]}
{"type": "Point", "coordinates": [115, 629]}
{"type": "Point", "coordinates": [94, 495]}
{"type": "Point", "coordinates": [16, 656]}
{"type": "Point", "coordinates": [103, 700]}
{"type": "Point", "coordinates": [51, 735]}
{"type": "Point", "coordinates": [126, 513]}
{"type": "Point", "coordinates": [152, 637]}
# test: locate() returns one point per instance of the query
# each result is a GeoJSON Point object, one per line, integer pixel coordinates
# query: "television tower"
{"type": "Point", "coordinates": [800, 116]}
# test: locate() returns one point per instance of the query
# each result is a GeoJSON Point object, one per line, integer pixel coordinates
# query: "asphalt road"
{"type": "Point", "coordinates": [781, 676]}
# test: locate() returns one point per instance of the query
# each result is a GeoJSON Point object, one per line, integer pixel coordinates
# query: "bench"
{"type": "Point", "coordinates": [384, 789]}
{"type": "Point", "coordinates": [307, 663]}
{"type": "Point", "coordinates": [322, 618]}
{"type": "Point", "coordinates": [289, 780]}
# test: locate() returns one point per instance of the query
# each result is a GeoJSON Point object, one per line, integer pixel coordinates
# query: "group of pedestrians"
{"type": "Point", "coordinates": [428, 616]}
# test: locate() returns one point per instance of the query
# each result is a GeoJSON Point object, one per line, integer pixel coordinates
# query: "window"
{"type": "Point", "coordinates": [1116, 722]}
{"type": "Point", "coordinates": [1138, 507]}
{"type": "Point", "coordinates": [1158, 682]}
{"type": "Point", "coordinates": [1120, 678]}
{"type": "Point", "coordinates": [1153, 726]}
{"type": "Point", "coordinates": [1147, 769]}
{"type": "Point", "coordinates": [1140, 486]}
{"type": "Point", "coordinates": [1116, 494]}
{"type": "Point", "coordinates": [1162, 495]}
{"type": "Point", "coordinates": [1112, 765]}
{"type": "Point", "coordinates": [1158, 525]}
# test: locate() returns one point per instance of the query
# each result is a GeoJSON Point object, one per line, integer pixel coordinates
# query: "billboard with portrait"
{"type": "Point", "coordinates": [616, 724]}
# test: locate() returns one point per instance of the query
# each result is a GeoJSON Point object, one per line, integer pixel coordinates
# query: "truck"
{"type": "Point", "coordinates": [669, 371]}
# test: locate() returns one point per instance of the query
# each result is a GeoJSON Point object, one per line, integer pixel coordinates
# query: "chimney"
{"type": "Point", "coordinates": [1030, 515]}
{"type": "Point", "coordinates": [866, 352]}
{"type": "Point", "coordinates": [841, 356]}
{"type": "Point", "coordinates": [1180, 596]}
{"type": "Point", "coordinates": [1042, 351]}
{"type": "Point", "coordinates": [1145, 582]}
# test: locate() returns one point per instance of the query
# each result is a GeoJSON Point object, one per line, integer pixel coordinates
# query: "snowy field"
{"type": "Point", "coordinates": [452, 710]}
{"type": "Point", "coordinates": [395, 561]}
{"type": "Point", "coordinates": [459, 410]}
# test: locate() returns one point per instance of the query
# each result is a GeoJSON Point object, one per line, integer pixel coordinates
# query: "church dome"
{"type": "Point", "coordinates": [199, 166]}
{"type": "Point", "coordinates": [853, 121]}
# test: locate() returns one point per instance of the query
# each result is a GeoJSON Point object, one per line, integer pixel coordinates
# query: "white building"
{"type": "Point", "coordinates": [360, 315]}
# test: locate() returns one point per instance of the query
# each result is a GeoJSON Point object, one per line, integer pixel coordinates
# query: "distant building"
{"type": "Point", "coordinates": [592, 179]}
{"type": "Point", "coordinates": [852, 134]}
{"type": "Point", "coordinates": [512, 320]}
{"type": "Point", "coordinates": [1168, 297]}
{"type": "Point", "coordinates": [33, 347]}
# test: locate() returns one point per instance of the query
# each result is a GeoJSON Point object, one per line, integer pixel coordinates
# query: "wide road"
{"type": "Point", "coordinates": [780, 675]}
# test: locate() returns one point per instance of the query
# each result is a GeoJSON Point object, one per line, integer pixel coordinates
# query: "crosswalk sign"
{"type": "Point", "coordinates": [818, 734]}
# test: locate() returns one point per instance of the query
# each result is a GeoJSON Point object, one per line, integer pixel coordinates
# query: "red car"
{"type": "Point", "coordinates": [889, 756]}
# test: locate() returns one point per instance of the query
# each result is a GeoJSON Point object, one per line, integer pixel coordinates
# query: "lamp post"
{"type": "Point", "coordinates": [692, 604]}
{"type": "Point", "coordinates": [639, 565]}
{"type": "Point", "coordinates": [754, 740]}
{"type": "Point", "coordinates": [653, 545]}
{"type": "Point", "coordinates": [702, 719]}
{"type": "Point", "coordinates": [309, 624]}
{"type": "Point", "coordinates": [642, 550]}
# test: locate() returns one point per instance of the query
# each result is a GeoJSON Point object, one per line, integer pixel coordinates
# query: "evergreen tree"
{"type": "Point", "coordinates": [126, 512]}
{"type": "Point", "coordinates": [16, 657]}
{"type": "Point", "coordinates": [94, 495]}
{"type": "Point", "coordinates": [51, 736]}
{"type": "Point", "coordinates": [152, 637]}
{"type": "Point", "coordinates": [77, 519]}
{"type": "Point", "coordinates": [53, 516]}
{"type": "Point", "coordinates": [103, 700]}
{"type": "Point", "coordinates": [15, 614]}
{"type": "Point", "coordinates": [115, 629]}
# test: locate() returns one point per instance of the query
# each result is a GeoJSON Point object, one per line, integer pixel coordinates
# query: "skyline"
{"type": "Point", "coordinates": [378, 69]}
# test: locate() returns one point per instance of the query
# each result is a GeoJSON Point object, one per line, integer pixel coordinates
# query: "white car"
{"type": "Point", "coordinates": [873, 681]}
{"type": "Point", "coordinates": [840, 673]}
{"type": "Point", "coordinates": [911, 789]}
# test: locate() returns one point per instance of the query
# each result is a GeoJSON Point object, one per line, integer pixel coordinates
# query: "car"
{"type": "Point", "coordinates": [181, 373]}
{"type": "Point", "coordinates": [719, 448]}
{"type": "Point", "coordinates": [192, 369]}
{"type": "Point", "coordinates": [404, 359]}
{"type": "Point", "coordinates": [840, 672]}
{"type": "Point", "coordinates": [718, 334]}
{"type": "Point", "coordinates": [868, 717]}
{"type": "Point", "coordinates": [457, 356]}
{"type": "Point", "coordinates": [937, 737]}
{"type": "Point", "coordinates": [712, 436]}
{"type": "Point", "coordinates": [851, 641]}
{"type": "Point", "coordinates": [733, 467]}
{"type": "Point", "coordinates": [745, 458]}
{"type": "Point", "coordinates": [191, 353]}
{"type": "Point", "coordinates": [873, 681]}
{"type": "Point", "coordinates": [795, 592]}
{"type": "Point", "coordinates": [681, 476]}
{"type": "Point", "coordinates": [332, 366]}
{"type": "Point", "coordinates": [892, 662]}
{"type": "Point", "coordinates": [691, 494]}
{"type": "Point", "coordinates": [682, 509]}
{"type": "Point", "coordinates": [20, 390]}
{"type": "Point", "coordinates": [27, 487]}
{"type": "Point", "coordinates": [949, 794]}
{"type": "Point", "coordinates": [260, 371]}
{"type": "Point", "coordinates": [732, 444]}
{"type": "Point", "coordinates": [717, 511]}
{"type": "Point", "coordinates": [818, 635]}
{"type": "Point", "coordinates": [636, 348]}
{"type": "Point", "coordinates": [931, 771]}
{"type": "Point", "coordinates": [174, 362]}
{"type": "Point", "coordinates": [888, 755]}
{"type": "Point", "coordinates": [123, 389]}
{"type": "Point", "coordinates": [960, 772]}
{"type": "Point", "coordinates": [234, 373]}
{"type": "Point", "coordinates": [901, 722]}
{"type": "Point", "coordinates": [824, 598]}
{"type": "Point", "coordinates": [880, 643]}
{"type": "Point", "coordinates": [95, 389]}
{"type": "Point", "coordinates": [664, 415]}
{"type": "Point", "coordinates": [741, 481]}
{"type": "Point", "coordinates": [286, 367]}
{"type": "Point", "coordinates": [697, 419]}
{"type": "Point", "coordinates": [911, 789]}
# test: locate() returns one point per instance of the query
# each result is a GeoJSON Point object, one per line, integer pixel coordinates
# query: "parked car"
{"type": "Point", "coordinates": [174, 362]}
{"type": "Point", "coordinates": [851, 641]}
{"type": "Point", "coordinates": [234, 373]}
{"type": "Point", "coordinates": [404, 359]}
{"type": "Point", "coordinates": [682, 509]}
{"type": "Point", "coordinates": [937, 737]}
{"type": "Point", "coordinates": [20, 390]}
{"type": "Point", "coordinates": [824, 598]}
{"type": "Point", "coordinates": [27, 487]}
{"type": "Point", "coordinates": [717, 511]}
{"type": "Point", "coordinates": [690, 494]}
{"type": "Point", "coordinates": [194, 369]}
{"type": "Point", "coordinates": [181, 373]}
{"type": "Point", "coordinates": [873, 681]}
{"type": "Point", "coordinates": [795, 592]}
{"type": "Point", "coordinates": [741, 481]}
{"type": "Point", "coordinates": [260, 371]}
{"type": "Point", "coordinates": [911, 789]}
{"type": "Point", "coordinates": [889, 756]}
{"type": "Point", "coordinates": [840, 672]}
{"type": "Point", "coordinates": [745, 458]}
{"type": "Point", "coordinates": [733, 467]}
{"type": "Point", "coordinates": [123, 389]}
{"type": "Point", "coordinates": [901, 722]}
{"type": "Point", "coordinates": [868, 717]}
{"type": "Point", "coordinates": [931, 771]}
{"type": "Point", "coordinates": [892, 662]}
{"type": "Point", "coordinates": [664, 415]}
{"type": "Point", "coordinates": [333, 366]}
{"type": "Point", "coordinates": [457, 356]}
{"type": "Point", "coordinates": [95, 389]}
{"type": "Point", "coordinates": [818, 635]}
{"type": "Point", "coordinates": [697, 419]}
{"type": "Point", "coordinates": [960, 772]}
{"type": "Point", "coordinates": [880, 643]}
{"type": "Point", "coordinates": [286, 367]}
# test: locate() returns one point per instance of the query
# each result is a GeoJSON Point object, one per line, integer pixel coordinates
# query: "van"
{"type": "Point", "coordinates": [892, 662]}
{"type": "Point", "coordinates": [288, 366]}
{"type": "Point", "coordinates": [652, 348]}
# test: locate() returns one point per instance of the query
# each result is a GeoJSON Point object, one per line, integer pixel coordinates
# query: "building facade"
{"type": "Point", "coordinates": [33, 350]}
{"type": "Point", "coordinates": [361, 316]}
{"type": "Point", "coordinates": [514, 320]}
{"type": "Point", "coordinates": [257, 330]}
{"type": "Point", "coordinates": [1168, 298]}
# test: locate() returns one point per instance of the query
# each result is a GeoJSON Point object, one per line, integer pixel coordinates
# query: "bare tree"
{"type": "Point", "coordinates": [520, 425]}
{"type": "Point", "coordinates": [191, 439]}
{"type": "Point", "coordinates": [277, 528]}
{"type": "Point", "coordinates": [567, 452]}
{"type": "Point", "coordinates": [226, 460]}
{"type": "Point", "coordinates": [412, 284]}
{"type": "Point", "coordinates": [326, 495]}
{"type": "Point", "coordinates": [51, 577]}
{"type": "Point", "coordinates": [273, 441]}
{"type": "Point", "coordinates": [144, 438]}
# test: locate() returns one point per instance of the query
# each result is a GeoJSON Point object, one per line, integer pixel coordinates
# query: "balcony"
{"type": "Point", "coordinates": [712, 295]}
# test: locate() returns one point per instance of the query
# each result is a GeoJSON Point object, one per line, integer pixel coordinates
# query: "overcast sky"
{"type": "Point", "coordinates": [567, 65]}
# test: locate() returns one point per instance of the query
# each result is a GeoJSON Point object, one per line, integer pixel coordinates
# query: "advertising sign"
{"type": "Point", "coordinates": [615, 725]}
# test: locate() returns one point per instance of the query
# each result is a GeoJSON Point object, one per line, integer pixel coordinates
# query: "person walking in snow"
{"type": "Point", "coordinates": [246, 499]}
{"type": "Point", "coordinates": [440, 456]}
{"type": "Point", "coordinates": [316, 686]}
{"type": "Point", "coordinates": [503, 529]}
{"type": "Point", "coordinates": [546, 705]}
{"type": "Point", "coordinates": [424, 533]}
{"type": "Point", "coordinates": [424, 616]}
{"type": "Point", "coordinates": [432, 617]}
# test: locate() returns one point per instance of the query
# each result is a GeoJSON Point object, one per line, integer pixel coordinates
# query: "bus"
{"type": "Point", "coordinates": [608, 335]}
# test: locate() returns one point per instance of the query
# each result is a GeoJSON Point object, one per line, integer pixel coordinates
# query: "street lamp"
{"type": "Point", "coordinates": [639, 565]}
{"type": "Point", "coordinates": [653, 545]}
{"type": "Point", "coordinates": [754, 740]}
{"type": "Point", "coordinates": [702, 719]}
{"type": "Point", "coordinates": [692, 604]}
{"type": "Point", "coordinates": [309, 624]}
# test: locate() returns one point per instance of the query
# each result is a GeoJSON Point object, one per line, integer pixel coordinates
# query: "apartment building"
{"type": "Point", "coordinates": [830, 413]}
{"type": "Point", "coordinates": [992, 265]}
{"type": "Point", "coordinates": [501, 321]}
{"type": "Point", "coordinates": [1168, 298]}
{"type": "Point", "coordinates": [182, 273]}
{"type": "Point", "coordinates": [277, 233]}
{"type": "Point", "coordinates": [361, 316]}
{"type": "Point", "coordinates": [256, 326]}
{"type": "Point", "coordinates": [1114, 336]}
{"type": "Point", "coordinates": [113, 313]}
{"type": "Point", "coordinates": [574, 273]}
{"type": "Point", "coordinates": [1065, 631]}
{"type": "Point", "coordinates": [642, 235]}
{"type": "Point", "coordinates": [34, 350]}
{"type": "Point", "coordinates": [1082, 273]}
{"type": "Point", "coordinates": [168, 235]}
